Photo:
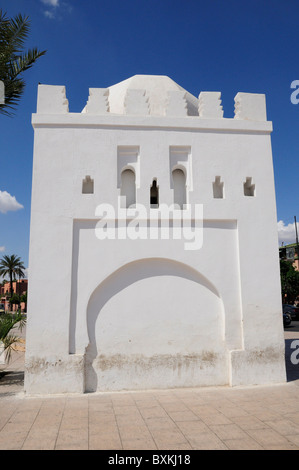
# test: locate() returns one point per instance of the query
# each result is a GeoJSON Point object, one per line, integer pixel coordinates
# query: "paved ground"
{"type": "Point", "coordinates": [204, 418]}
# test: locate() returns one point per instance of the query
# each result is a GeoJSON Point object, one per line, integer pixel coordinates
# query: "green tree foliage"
{"type": "Point", "coordinates": [289, 282]}
{"type": "Point", "coordinates": [15, 299]}
{"type": "Point", "coordinates": [7, 324]}
{"type": "Point", "coordinates": [14, 61]}
{"type": "Point", "coordinates": [23, 298]}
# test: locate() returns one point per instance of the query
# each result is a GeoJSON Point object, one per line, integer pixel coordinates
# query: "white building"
{"type": "Point", "coordinates": [118, 303]}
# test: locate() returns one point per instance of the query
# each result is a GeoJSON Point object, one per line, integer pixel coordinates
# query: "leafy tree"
{"type": "Point", "coordinates": [13, 59]}
{"type": "Point", "coordinates": [289, 281]}
{"type": "Point", "coordinates": [23, 299]}
{"type": "Point", "coordinates": [11, 266]}
{"type": "Point", "coordinates": [7, 323]}
{"type": "Point", "coordinates": [15, 299]}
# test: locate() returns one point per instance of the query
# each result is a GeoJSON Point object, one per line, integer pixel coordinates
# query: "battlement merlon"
{"type": "Point", "coordinates": [97, 101]}
{"type": "Point", "coordinates": [250, 106]}
{"type": "Point", "coordinates": [250, 110]}
{"type": "Point", "coordinates": [51, 99]}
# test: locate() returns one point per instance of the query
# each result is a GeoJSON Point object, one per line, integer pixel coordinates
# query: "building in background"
{"type": "Point", "coordinates": [20, 288]}
{"type": "Point", "coordinates": [290, 253]}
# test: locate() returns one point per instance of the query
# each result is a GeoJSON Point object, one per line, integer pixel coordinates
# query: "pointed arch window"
{"type": "Point", "coordinates": [154, 194]}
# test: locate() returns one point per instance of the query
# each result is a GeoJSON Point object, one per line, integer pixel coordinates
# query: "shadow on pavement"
{"type": "Point", "coordinates": [11, 382]}
{"type": "Point", "coordinates": [12, 378]}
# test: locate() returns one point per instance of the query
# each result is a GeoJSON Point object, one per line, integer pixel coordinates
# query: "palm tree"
{"type": "Point", "coordinates": [13, 60]}
{"type": "Point", "coordinates": [11, 266]}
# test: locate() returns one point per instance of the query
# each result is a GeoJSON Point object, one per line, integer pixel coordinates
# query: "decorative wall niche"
{"type": "Point", "coordinates": [128, 187]}
{"type": "Point", "coordinates": [87, 185]}
{"type": "Point", "coordinates": [154, 194]}
{"type": "Point", "coordinates": [249, 188]}
{"type": "Point", "coordinates": [180, 166]}
{"type": "Point", "coordinates": [179, 187]}
{"type": "Point", "coordinates": [128, 174]}
{"type": "Point", "coordinates": [218, 192]}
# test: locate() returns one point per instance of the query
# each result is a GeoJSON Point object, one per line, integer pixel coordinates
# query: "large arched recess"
{"type": "Point", "coordinates": [150, 319]}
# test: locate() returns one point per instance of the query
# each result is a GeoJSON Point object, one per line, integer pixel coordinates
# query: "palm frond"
{"type": "Point", "coordinates": [7, 323]}
{"type": "Point", "coordinates": [24, 62]}
{"type": "Point", "coordinates": [18, 31]}
{"type": "Point", "coordinates": [9, 346]}
{"type": "Point", "coordinates": [13, 60]}
{"type": "Point", "coordinates": [14, 31]}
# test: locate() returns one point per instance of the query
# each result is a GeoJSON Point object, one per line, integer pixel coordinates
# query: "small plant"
{"type": "Point", "coordinates": [7, 323]}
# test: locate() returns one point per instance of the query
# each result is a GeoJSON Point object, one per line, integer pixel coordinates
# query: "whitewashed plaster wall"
{"type": "Point", "coordinates": [136, 314]}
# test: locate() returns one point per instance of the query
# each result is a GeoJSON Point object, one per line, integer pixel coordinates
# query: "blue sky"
{"type": "Point", "coordinates": [213, 45]}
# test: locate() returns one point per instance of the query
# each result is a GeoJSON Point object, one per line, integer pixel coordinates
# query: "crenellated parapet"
{"type": "Point", "coordinates": [170, 100]}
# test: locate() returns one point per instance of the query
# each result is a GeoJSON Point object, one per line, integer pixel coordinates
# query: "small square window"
{"type": "Point", "coordinates": [249, 188]}
{"type": "Point", "coordinates": [87, 185]}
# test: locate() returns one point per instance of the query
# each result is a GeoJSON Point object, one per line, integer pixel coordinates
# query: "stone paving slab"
{"type": "Point", "coordinates": [212, 418]}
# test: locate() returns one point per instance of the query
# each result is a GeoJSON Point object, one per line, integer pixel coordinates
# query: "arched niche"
{"type": "Point", "coordinates": [154, 194]}
{"type": "Point", "coordinates": [149, 315]}
{"type": "Point", "coordinates": [179, 187]}
{"type": "Point", "coordinates": [128, 187]}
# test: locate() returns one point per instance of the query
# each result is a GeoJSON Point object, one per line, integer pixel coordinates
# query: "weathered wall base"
{"type": "Point", "coordinates": [54, 375]}
{"type": "Point", "coordinates": [78, 374]}
{"type": "Point", "coordinates": [257, 366]}
{"type": "Point", "coordinates": [137, 372]}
